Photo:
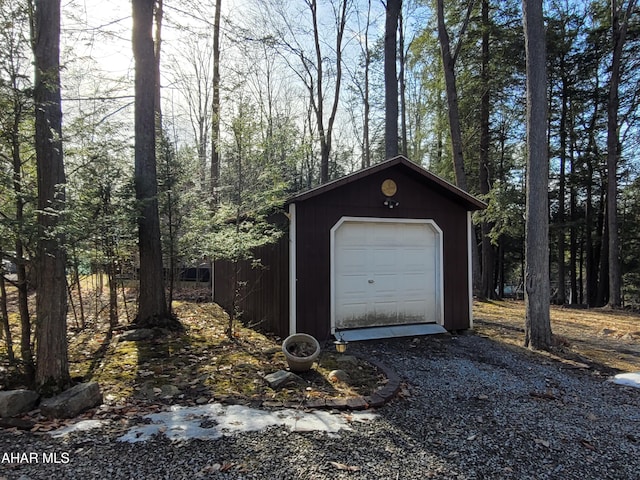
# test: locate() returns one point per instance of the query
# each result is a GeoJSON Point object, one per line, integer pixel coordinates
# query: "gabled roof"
{"type": "Point", "coordinates": [447, 188]}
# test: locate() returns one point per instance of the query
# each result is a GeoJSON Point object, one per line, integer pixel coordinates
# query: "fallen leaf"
{"type": "Point", "coordinates": [587, 444]}
{"type": "Point", "coordinates": [342, 466]}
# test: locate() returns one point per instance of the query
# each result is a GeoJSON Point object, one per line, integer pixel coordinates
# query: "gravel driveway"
{"type": "Point", "coordinates": [470, 409]}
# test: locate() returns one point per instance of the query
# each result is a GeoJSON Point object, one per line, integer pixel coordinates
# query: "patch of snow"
{"type": "Point", "coordinates": [212, 421]}
{"type": "Point", "coordinates": [628, 379]}
{"type": "Point", "coordinates": [82, 426]}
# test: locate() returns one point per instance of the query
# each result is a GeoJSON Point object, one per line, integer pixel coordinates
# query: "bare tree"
{"type": "Point", "coordinates": [311, 70]}
{"type": "Point", "coordinates": [360, 82]}
{"type": "Point", "coordinates": [192, 73]}
{"type": "Point", "coordinates": [52, 367]}
{"type": "Point", "coordinates": [537, 289]}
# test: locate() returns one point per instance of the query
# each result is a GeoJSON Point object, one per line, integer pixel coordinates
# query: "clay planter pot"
{"type": "Point", "coordinates": [300, 350]}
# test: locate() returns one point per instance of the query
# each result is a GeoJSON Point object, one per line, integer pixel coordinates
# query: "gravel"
{"type": "Point", "coordinates": [469, 409]}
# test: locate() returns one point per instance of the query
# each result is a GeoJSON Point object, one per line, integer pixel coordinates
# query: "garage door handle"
{"type": "Point", "coordinates": [372, 281]}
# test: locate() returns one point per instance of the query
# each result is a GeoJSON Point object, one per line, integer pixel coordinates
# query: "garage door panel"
{"type": "Point", "coordinates": [354, 259]}
{"type": "Point", "coordinates": [384, 284]}
{"type": "Point", "coordinates": [383, 259]}
{"type": "Point", "coordinates": [392, 277]}
{"type": "Point", "coordinates": [416, 259]}
{"type": "Point", "coordinates": [385, 307]}
{"type": "Point", "coordinates": [351, 310]}
{"type": "Point", "coordinates": [354, 236]}
{"type": "Point", "coordinates": [353, 285]}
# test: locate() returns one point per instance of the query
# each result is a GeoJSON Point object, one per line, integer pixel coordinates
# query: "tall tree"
{"type": "Point", "coordinates": [455, 131]}
{"type": "Point", "coordinates": [215, 106]}
{"type": "Point", "coordinates": [448, 63]}
{"type": "Point", "coordinates": [152, 306]}
{"type": "Point", "coordinates": [536, 281]}
{"type": "Point", "coordinates": [619, 26]}
{"type": "Point", "coordinates": [487, 290]}
{"type": "Point", "coordinates": [391, 77]}
{"type": "Point", "coordinates": [52, 367]}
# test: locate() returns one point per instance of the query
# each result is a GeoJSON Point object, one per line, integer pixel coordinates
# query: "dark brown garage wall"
{"type": "Point", "coordinates": [316, 215]}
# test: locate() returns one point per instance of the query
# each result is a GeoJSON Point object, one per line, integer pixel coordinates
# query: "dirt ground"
{"type": "Point", "coordinates": [599, 338]}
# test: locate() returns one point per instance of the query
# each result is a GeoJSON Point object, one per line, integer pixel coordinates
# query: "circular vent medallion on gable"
{"type": "Point", "coordinates": [389, 188]}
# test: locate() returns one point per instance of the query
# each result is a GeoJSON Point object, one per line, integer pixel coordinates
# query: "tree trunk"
{"type": "Point", "coordinates": [537, 321]}
{"type": "Point", "coordinates": [602, 291]}
{"type": "Point", "coordinates": [22, 285]}
{"type": "Point", "coordinates": [448, 63]}
{"type": "Point", "coordinates": [52, 368]}
{"type": "Point", "coordinates": [573, 234]}
{"type": "Point", "coordinates": [561, 297]}
{"type": "Point", "coordinates": [619, 32]}
{"type": "Point", "coordinates": [403, 87]}
{"type": "Point", "coordinates": [215, 107]}
{"type": "Point", "coordinates": [152, 307]}
{"type": "Point", "coordinates": [391, 78]}
{"type": "Point", "coordinates": [157, 16]}
{"type": "Point", "coordinates": [366, 154]}
{"type": "Point", "coordinates": [488, 252]}
{"type": "Point", "coordinates": [6, 329]}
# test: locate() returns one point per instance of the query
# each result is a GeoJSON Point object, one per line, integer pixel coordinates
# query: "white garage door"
{"type": "Point", "coordinates": [386, 273]}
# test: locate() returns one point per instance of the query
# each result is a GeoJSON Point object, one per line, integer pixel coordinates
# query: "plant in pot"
{"type": "Point", "coordinates": [300, 350]}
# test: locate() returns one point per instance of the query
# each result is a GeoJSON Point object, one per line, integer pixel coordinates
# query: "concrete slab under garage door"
{"type": "Point", "coordinates": [390, 332]}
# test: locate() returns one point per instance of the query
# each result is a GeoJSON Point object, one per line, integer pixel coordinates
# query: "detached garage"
{"type": "Point", "coordinates": [380, 253]}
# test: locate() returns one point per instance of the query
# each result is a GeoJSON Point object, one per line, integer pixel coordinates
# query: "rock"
{"type": "Point", "coordinates": [151, 390]}
{"type": "Point", "coordinates": [18, 423]}
{"type": "Point", "coordinates": [137, 335]}
{"type": "Point", "coordinates": [339, 376]}
{"type": "Point", "coordinates": [15, 402]}
{"type": "Point", "coordinates": [169, 391]}
{"type": "Point", "coordinates": [281, 378]}
{"type": "Point", "coordinates": [72, 402]}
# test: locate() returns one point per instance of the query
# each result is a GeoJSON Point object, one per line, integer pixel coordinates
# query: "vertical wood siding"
{"type": "Point", "coordinates": [263, 292]}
